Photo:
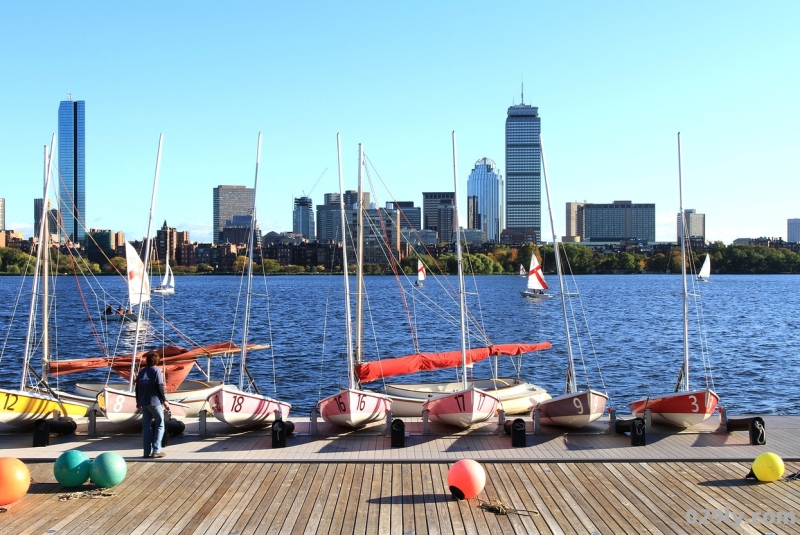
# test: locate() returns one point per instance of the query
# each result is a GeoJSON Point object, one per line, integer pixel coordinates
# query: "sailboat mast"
{"type": "Point", "coordinates": [348, 321]}
{"type": "Point", "coordinates": [249, 293]}
{"type": "Point", "coordinates": [462, 305]}
{"type": "Point", "coordinates": [146, 260]}
{"type": "Point", "coordinates": [360, 259]}
{"type": "Point", "coordinates": [44, 244]}
{"type": "Point", "coordinates": [572, 385]}
{"type": "Point", "coordinates": [683, 273]}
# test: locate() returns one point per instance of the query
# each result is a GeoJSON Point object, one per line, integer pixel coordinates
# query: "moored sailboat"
{"type": "Point", "coordinates": [39, 399]}
{"type": "Point", "coordinates": [353, 407]}
{"type": "Point", "coordinates": [244, 406]}
{"type": "Point", "coordinates": [468, 405]}
{"type": "Point", "coordinates": [684, 407]}
{"type": "Point", "coordinates": [576, 407]}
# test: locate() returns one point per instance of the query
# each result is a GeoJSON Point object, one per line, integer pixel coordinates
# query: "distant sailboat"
{"type": "Point", "coordinates": [536, 282]}
{"type": "Point", "coordinates": [421, 275]}
{"type": "Point", "coordinates": [705, 271]}
{"type": "Point", "coordinates": [167, 285]}
{"type": "Point", "coordinates": [522, 271]}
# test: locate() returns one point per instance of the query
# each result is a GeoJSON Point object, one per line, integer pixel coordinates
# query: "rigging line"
{"type": "Point", "coordinates": [269, 321]}
{"type": "Point", "coordinates": [586, 327]}
{"type": "Point", "coordinates": [393, 262]}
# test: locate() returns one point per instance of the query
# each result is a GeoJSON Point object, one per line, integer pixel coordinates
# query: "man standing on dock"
{"type": "Point", "coordinates": [152, 401]}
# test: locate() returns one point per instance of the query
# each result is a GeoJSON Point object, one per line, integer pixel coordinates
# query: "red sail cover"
{"type": "Point", "coordinates": [418, 362]}
{"type": "Point", "coordinates": [176, 362]}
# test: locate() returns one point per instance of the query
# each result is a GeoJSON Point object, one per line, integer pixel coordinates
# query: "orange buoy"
{"type": "Point", "coordinates": [15, 479]}
{"type": "Point", "coordinates": [466, 479]}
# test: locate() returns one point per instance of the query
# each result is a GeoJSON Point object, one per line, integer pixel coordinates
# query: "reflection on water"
{"type": "Point", "coordinates": [751, 326]}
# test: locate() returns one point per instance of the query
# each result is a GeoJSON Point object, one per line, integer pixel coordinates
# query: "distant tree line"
{"type": "Point", "coordinates": [501, 259]}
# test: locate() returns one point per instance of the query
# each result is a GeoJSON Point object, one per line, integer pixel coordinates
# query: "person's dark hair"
{"type": "Point", "coordinates": [151, 358]}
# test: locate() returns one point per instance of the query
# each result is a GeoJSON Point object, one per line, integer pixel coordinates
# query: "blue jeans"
{"type": "Point", "coordinates": [151, 443]}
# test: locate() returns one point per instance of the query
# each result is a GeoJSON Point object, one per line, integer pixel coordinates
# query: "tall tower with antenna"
{"type": "Point", "coordinates": [72, 168]}
{"type": "Point", "coordinates": [523, 168]}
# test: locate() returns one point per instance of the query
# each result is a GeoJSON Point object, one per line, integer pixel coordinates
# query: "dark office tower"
{"type": "Point", "coordinates": [303, 218]}
{"type": "Point", "coordinates": [230, 201]}
{"type": "Point", "coordinates": [523, 169]}
{"type": "Point", "coordinates": [72, 168]}
{"type": "Point", "coordinates": [430, 208]}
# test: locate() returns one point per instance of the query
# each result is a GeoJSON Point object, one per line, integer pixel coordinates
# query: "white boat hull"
{"type": "Point", "coordinates": [119, 407]}
{"type": "Point", "coordinates": [515, 396]}
{"type": "Point", "coordinates": [193, 394]}
{"type": "Point", "coordinates": [245, 409]}
{"type": "Point", "coordinates": [354, 408]}
{"type": "Point", "coordinates": [462, 409]}
{"type": "Point", "coordinates": [574, 410]}
{"type": "Point", "coordinates": [534, 295]}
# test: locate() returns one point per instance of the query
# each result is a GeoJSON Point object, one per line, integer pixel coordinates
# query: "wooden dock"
{"type": "Point", "coordinates": [590, 482]}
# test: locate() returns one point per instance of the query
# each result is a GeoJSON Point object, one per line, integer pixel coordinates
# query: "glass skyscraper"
{"type": "Point", "coordinates": [303, 217]}
{"type": "Point", "coordinates": [72, 168]}
{"type": "Point", "coordinates": [523, 169]}
{"type": "Point", "coordinates": [484, 184]}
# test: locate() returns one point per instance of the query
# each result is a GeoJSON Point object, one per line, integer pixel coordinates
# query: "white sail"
{"type": "Point", "coordinates": [705, 271]}
{"type": "Point", "coordinates": [421, 275]}
{"type": "Point", "coordinates": [522, 272]}
{"type": "Point", "coordinates": [535, 278]}
{"type": "Point", "coordinates": [138, 285]}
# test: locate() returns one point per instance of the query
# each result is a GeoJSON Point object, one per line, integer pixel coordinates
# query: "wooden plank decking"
{"type": "Point", "coordinates": [236, 483]}
{"type": "Point", "coordinates": [404, 498]}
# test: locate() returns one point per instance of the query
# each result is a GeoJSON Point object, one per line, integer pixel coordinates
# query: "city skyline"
{"type": "Point", "coordinates": [612, 94]}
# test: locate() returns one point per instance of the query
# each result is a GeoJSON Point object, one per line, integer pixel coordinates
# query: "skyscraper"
{"type": "Point", "coordinates": [230, 201]}
{"type": "Point", "coordinates": [303, 217]}
{"type": "Point", "coordinates": [523, 169]}
{"type": "Point", "coordinates": [484, 183]}
{"type": "Point", "coordinates": [72, 168]}
{"type": "Point", "coordinates": [574, 230]}
{"type": "Point", "coordinates": [695, 225]}
{"type": "Point", "coordinates": [430, 208]}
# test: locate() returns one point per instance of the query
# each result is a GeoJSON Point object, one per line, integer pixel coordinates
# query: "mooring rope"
{"type": "Point", "coordinates": [499, 508]}
{"type": "Point", "coordinates": [93, 494]}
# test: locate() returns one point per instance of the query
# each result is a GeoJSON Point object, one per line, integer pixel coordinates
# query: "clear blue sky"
{"type": "Point", "coordinates": [614, 83]}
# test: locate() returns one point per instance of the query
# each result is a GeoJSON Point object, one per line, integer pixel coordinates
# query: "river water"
{"type": "Point", "coordinates": [634, 329]}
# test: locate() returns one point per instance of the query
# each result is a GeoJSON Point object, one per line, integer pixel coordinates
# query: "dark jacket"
{"type": "Point", "coordinates": [150, 387]}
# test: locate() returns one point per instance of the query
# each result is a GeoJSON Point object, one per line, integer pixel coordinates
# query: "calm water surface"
{"type": "Point", "coordinates": [635, 322]}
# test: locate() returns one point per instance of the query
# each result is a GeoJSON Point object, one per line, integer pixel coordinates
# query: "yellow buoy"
{"type": "Point", "coordinates": [768, 467]}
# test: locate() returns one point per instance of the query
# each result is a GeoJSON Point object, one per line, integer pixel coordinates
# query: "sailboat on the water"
{"type": "Point", "coordinates": [36, 398]}
{"type": "Point", "coordinates": [536, 283]}
{"type": "Point", "coordinates": [576, 407]}
{"type": "Point", "coordinates": [421, 274]}
{"type": "Point", "coordinates": [352, 406]}
{"type": "Point", "coordinates": [684, 407]}
{"type": "Point", "coordinates": [245, 406]}
{"type": "Point", "coordinates": [167, 285]}
{"type": "Point", "coordinates": [705, 272]}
